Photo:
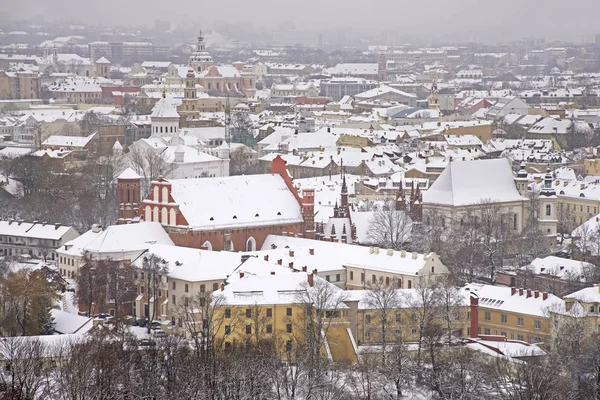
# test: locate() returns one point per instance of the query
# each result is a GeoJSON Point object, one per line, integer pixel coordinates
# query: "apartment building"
{"type": "Point", "coordinates": [35, 239]}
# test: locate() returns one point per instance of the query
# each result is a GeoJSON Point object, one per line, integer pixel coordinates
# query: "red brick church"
{"type": "Point", "coordinates": [227, 213]}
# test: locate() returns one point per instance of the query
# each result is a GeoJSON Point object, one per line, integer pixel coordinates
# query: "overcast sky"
{"type": "Point", "coordinates": [573, 20]}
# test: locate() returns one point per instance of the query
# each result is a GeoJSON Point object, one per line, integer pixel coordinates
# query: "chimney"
{"type": "Point", "coordinates": [371, 250]}
{"type": "Point", "coordinates": [222, 286]}
{"type": "Point", "coordinates": [521, 292]}
{"type": "Point", "coordinates": [402, 253]}
{"type": "Point", "coordinates": [528, 293]}
{"type": "Point", "coordinates": [266, 257]}
{"type": "Point", "coordinates": [545, 296]}
{"type": "Point", "coordinates": [375, 250]}
{"type": "Point", "coordinates": [414, 255]}
{"type": "Point", "coordinates": [314, 271]}
{"type": "Point", "coordinates": [304, 268]}
{"type": "Point", "coordinates": [96, 228]}
{"type": "Point", "coordinates": [241, 275]}
{"type": "Point", "coordinates": [513, 290]}
{"type": "Point", "coordinates": [474, 315]}
{"type": "Point", "coordinates": [536, 294]}
{"type": "Point", "coordinates": [291, 265]}
{"type": "Point", "coordinates": [311, 280]}
{"type": "Point", "coordinates": [311, 252]}
{"type": "Point", "coordinates": [272, 272]}
{"type": "Point", "coordinates": [390, 252]}
{"type": "Point", "coordinates": [291, 253]}
{"type": "Point", "coordinates": [279, 261]}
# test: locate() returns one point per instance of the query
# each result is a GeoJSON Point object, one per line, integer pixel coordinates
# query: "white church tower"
{"type": "Point", "coordinates": [548, 216]}
{"type": "Point", "coordinates": [201, 59]}
{"type": "Point", "coordinates": [164, 119]}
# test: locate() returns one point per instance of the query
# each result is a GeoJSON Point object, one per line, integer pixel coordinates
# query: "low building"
{"type": "Point", "coordinates": [516, 314]}
{"type": "Point", "coordinates": [38, 240]}
{"type": "Point", "coordinates": [549, 274]}
{"type": "Point", "coordinates": [116, 243]}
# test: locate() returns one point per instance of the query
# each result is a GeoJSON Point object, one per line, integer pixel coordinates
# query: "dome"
{"type": "Point", "coordinates": [555, 71]}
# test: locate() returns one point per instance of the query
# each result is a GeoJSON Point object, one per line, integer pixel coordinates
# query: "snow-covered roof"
{"type": "Point", "coordinates": [586, 295]}
{"type": "Point", "coordinates": [236, 201]}
{"type": "Point", "coordinates": [502, 299]}
{"type": "Point", "coordinates": [507, 348]}
{"type": "Point", "coordinates": [164, 109]}
{"type": "Point", "coordinates": [471, 182]}
{"type": "Point", "coordinates": [102, 60]}
{"type": "Point", "coordinates": [68, 141]}
{"type": "Point", "coordinates": [559, 267]}
{"type": "Point", "coordinates": [129, 237]}
{"type": "Point", "coordinates": [381, 90]}
{"type": "Point", "coordinates": [353, 69]}
{"type": "Point", "coordinates": [277, 289]}
{"type": "Point", "coordinates": [332, 256]}
{"type": "Point", "coordinates": [117, 239]}
{"type": "Point", "coordinates": [129, 173]}
{"type": "Point", "coordinates": [68, 323]}
{"type": "Point", "coordinates": [33, 230]}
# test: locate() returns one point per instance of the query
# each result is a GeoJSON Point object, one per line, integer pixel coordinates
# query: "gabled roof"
{"type": "Point", "coordinates": [129, 173]}
{"type": "Point", "coordinates": [102, 60]}
{"type": "Point", "coordinates": [236, 201]}
{"type": "Point", "coordinates": [164, 109]}
{"type": "Point", "coordinates": [471, 182]}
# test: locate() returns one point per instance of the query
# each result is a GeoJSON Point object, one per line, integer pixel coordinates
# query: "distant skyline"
{"type": "Point", "coordinates": [434, 20]}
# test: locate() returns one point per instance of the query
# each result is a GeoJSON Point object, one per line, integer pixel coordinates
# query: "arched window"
{"type": "Point", "coordinates": [548, 210]}
{"type": "Point", "coordinates": [155, 216]}
{"type": "Point", "coordinates": [172, 217]}
{"type": "Point", "coordinates": [165, 194]}
{"type": "Point", "coordinates": [207, 245]}
{"type": "Point", "coordinates": [156, 199]}
{"type": "Point", "coordinates": [148, 213]}
{"type": "Point", "coordinates": [251, 244]}
{"type": "Point", "coordinates": [164, 218]}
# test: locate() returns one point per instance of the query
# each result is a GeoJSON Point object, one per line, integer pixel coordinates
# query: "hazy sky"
{"type": "Point", "coordinates": [469, 19]}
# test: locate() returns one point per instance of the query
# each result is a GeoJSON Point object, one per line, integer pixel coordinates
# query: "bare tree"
{"type": "Point", "coordinates": [149, 164]}
{"type": "Point", "coordinates": [24, 369]}
{"type": "Point", "coordinates": [384, 302]}
{"type": "Point", "coordinates": [390, 228]}
{"type": "Point", "coordinates": [152, 272]}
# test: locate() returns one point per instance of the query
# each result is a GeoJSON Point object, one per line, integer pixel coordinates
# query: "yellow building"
{"type": "Point", "coordinates": [351, 266]}
{"type": "Point", "coordinates": [517, 314]}
{"type": "Point", "coordinates": [581, 311]}
{"type": "Point", "coordinates": [19, 85]}
{"type": "Point", "coordinates": [591, 166]}
{"type": "Point", "coordinates": [577, 202]}
{"type": "Point", "coordinates": [279, 308]}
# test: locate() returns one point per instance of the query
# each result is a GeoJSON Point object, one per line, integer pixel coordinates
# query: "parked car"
{"type": "Point", "coordinates": [141, 322]}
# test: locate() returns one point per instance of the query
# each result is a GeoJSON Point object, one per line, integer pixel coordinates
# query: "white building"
{"type": "Point", "coordinates": [117, 243]}
{"type": "Point", "coordinates": [39, 240]}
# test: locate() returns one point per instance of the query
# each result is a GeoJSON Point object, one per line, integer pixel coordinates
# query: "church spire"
{"type": "Point", "coordinates": [201, 59]}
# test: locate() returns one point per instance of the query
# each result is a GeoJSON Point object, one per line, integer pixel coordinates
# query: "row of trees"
{"type": "Point", "coordinates": [477, 244]}
{"type": "Point", "coordinates": [111, 364]}
{"type": "Point", "coordinates": [80, 196]}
